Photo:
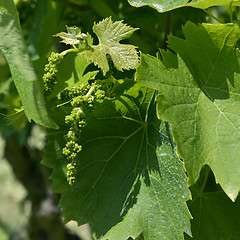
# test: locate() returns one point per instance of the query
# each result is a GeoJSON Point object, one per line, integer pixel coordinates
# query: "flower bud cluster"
{"type": "Point", "coordinates": [72, 148]}
{"type": "Point", "coordinates": [80, 97]}
{"type": "Point", "coordinates": [71, 173]}
{"type": "Point", "coordinates": [75, 91]}
{"type": "Point", "coordinates": [49, 77]}
{"type": "Point", "coordinates": [76, 122]}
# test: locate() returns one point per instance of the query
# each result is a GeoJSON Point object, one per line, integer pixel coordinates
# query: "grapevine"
{"type": "Point", "coordinates": [151, 153]}
{"type": "Point", "coordinates": [81, 97]}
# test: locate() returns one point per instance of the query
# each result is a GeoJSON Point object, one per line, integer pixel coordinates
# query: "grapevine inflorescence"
{"type": "Point", "coordinates": [49, 77]}
{"type": "Point", "coordinates": [81, 99]}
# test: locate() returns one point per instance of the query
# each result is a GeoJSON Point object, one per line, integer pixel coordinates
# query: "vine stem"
{"type": "Point", "coordinates": [90, 91]}
{"type": "Point", "coordinates": [59, 105]}
{"type": "Point", "coordinates": [204, 180]}
{"type": "Point", "coordinates": [69, 51]}
{"type": "Point", "coordinates": [211, 15]}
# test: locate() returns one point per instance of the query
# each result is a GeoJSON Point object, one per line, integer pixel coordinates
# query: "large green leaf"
{"type": "Point", "coordinates": [201, 100]}
{"type": "Point", "coordinates": [13, 47]}
{"type": "Point", "coordinates": [129, 180]}
{"type": "Point", "coordinates": [166, 5]}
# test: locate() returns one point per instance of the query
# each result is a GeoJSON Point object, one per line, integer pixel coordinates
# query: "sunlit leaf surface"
{"type": "Point", "coordinates": [200, 98]}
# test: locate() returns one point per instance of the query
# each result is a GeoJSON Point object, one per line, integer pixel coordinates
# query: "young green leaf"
{"type": "Point", "coordinates": [72, 37]}
{"type": "Point", "coordinates": [124, 56]}
{"type": "Point", "coordinates": [129, 180]}
{"type": "Point", "coordinates": [200, 99]}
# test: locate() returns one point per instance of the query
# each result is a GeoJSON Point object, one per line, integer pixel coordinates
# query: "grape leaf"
{"type": "Point", "coordinates": [72, 37]}
{"type": "Point", "coordinates": [215, 216]}
{"type": "Point", "coordinates": [129, 179]}
{"type": "Point", "coordinates": [13, 47]}
{"type": "Point", "coordinates": [200, 98]}
{"type": "Point", "coordinates": [124, 56]}
{"type": "Point", "coordinates": [166, 5]}
{"type": "Point", "coordinates": [203, 4]}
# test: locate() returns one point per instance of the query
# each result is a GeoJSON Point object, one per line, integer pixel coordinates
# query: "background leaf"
{"type": "Point", "coordinates": [13, 47]}
{"type": "Point", "coordinates": [166, 5]}
{"type": "Point", "coordinates": [41, 37]}
{"type": "Point", "coordinates": [215, 216]}
{"type": "Point", "coordinates": [129, 180]}
{"type": "Point", "coordinates": [200, 99]}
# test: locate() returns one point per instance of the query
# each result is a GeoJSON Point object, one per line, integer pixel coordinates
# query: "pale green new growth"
{"type": "Point", "coordinates": [124, 56]}
{"type": "Point", "coordinates": [72, 37]}
{"type": "Point", "coordinates": [109, 33]}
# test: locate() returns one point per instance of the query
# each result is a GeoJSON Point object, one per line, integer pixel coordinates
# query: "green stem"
{"type": "Point", "coordinates": [90, 91]}
{"type": "Point", "coordinates": [211, 15]}
{"type": "Point", "coordinates": [59, 105]}
{"type": "Point", "coordinates": [69, 51]}
{"type": "Point", "coordinates": [204, 180]}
